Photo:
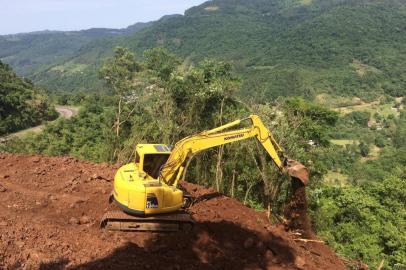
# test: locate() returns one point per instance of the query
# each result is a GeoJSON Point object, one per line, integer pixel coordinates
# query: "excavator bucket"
{"type": "Point", "coordinates": [297, 170]}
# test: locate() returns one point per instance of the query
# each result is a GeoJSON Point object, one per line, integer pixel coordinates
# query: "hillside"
{"type": "Point", "coordinates": [356, 154]}
{"type": "Point", "coordinates": [22, 105]}
{"type": "Point", "coordinates": [30, 53]}
{"type": "Point", "coordinates": [327, 77]}
{"type": "Point", "coordinates": [48, 224]}
{"type": "Point", "coordinates": [279, 47]}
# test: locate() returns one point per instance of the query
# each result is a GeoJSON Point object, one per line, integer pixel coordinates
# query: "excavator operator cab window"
{"type": "Point", "coordinates": [153, 163]}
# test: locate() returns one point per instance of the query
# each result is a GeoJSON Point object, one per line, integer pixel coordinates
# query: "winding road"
{"type": "Point", "coordinates": [67, 112]}
{"type": "Point", "coordinates": [64, 111]}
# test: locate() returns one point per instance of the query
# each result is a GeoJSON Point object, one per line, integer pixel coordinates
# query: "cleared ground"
{"type": "Point", "coordinates": [345, 105]}
{"type": "Point", "coordinates": [49, 219]}
{"type": "Point", "coordinates": [344, 142]}
{"type": "Point", "coordinates": [336, 178]}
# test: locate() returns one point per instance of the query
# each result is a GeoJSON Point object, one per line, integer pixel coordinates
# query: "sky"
{"type": "Point", "coordinates": [20, 16]}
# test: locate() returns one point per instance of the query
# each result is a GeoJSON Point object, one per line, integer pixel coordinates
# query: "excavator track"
{"type": "Point", "coordinates": [120, 221]}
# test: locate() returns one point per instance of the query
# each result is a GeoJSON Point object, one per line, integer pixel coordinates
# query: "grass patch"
{"type": "Point", "coordinates": [306, 2]}
{"type": "Point", "coordinates": [362, 69]}
{"type": "Point", "coordinates": [372, 107]}
{"type": "Point", "coordinates": [336, 178]}
{"type": "Point", "coordinates": [345, 105]}
{"type": "Point", "coordinates": [331, 101]}
{"type": "Point", "coordinates": [70, 68]}
{"type": "Point", "coordinates": [373, 154]}
{"type": "Point", "coordinates": [211, 8]}
{"type": "Point", "coordinates": [344, 142]}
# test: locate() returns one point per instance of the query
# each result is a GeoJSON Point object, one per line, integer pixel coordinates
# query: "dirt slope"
{"type": "Point", "coordinates": [42, 199]}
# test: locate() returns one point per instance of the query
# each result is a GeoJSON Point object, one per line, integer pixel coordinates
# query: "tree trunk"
{"type": "Point", "coordinates": [233, 184]}
{"type": "Point", "coordinates": [118, 118]}
{"type": "Point", "coordinates": [248, 192]}
{"type": "Point", "coordinates": [219, 171]}
{"type": "Point", "coordinates": [269, 209]}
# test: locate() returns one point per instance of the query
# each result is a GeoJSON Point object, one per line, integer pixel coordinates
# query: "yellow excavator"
{"type": "Point", "coordinates": [147, 190]}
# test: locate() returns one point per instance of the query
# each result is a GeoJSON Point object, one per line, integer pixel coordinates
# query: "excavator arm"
{"type": "Point", "coordinates": [173, 170]}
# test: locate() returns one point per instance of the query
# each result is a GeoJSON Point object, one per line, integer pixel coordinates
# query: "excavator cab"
{"type": "Point", "coordinates": [149, 158]}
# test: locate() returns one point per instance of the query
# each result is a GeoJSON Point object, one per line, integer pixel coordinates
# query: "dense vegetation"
{"type": "Point", "coordinates": [279, 47]}
{"type": "Point", "coordinates": [21, 104]}
{"type": "Point", "coordinates": [159, 99]}
{"type": "Point", "coordinates": [31, 53]}
{"type": "Point", "coordinates": [365, 221]}
{"type": "Point", "coordinates": [367, 218]}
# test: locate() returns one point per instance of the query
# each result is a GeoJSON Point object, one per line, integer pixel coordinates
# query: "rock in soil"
{"type": "Point", "coordinates": [84, 220]}
{"type": "Point", "coordinates": [73, 221]}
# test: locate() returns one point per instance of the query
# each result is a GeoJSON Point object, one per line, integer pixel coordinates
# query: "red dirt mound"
{"type": "Point", "coordinates": [49, 219]}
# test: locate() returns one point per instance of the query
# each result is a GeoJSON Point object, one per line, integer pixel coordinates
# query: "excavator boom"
{"type": "Point", "coordinates": [173, 170]}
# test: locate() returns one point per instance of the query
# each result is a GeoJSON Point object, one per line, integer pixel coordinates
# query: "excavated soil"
{"type": "Point", "coordinates": [296, 210]}
{"type": "Point", "coordinates": [49, 219]}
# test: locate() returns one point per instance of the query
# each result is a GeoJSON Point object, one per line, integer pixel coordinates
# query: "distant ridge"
{"type": "Point", "coordinates": [289, 47]}
{"type": "Point", "coordinates": [30, 53]}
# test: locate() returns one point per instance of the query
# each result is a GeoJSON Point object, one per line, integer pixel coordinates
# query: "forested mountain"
{"type": "Point", "coordinates": [30, 53]}
{"type": "Point", "coordinates": [279, 47]}
{"type": "Point", "coordinates": [21, 104]}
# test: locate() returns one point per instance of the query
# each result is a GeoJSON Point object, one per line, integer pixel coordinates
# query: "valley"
{"type": "Point", "coordinates": [327, 77]}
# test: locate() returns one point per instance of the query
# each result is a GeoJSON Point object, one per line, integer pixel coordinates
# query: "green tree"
{"type": "Point", "coordinates": [313, 119]}
{"type": "Point", "coordinates": [363, 149]}
{"type": "Point", "coordinates": [118, 73]}
{"type": "Point", "coordinates": [358, 118]}
{"type": "Point", "coordinates": [359, 221]}
{"type": "Point", "coordinates": [162, 62]}
{"type": "Point", "coordinates": [22, 105]}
